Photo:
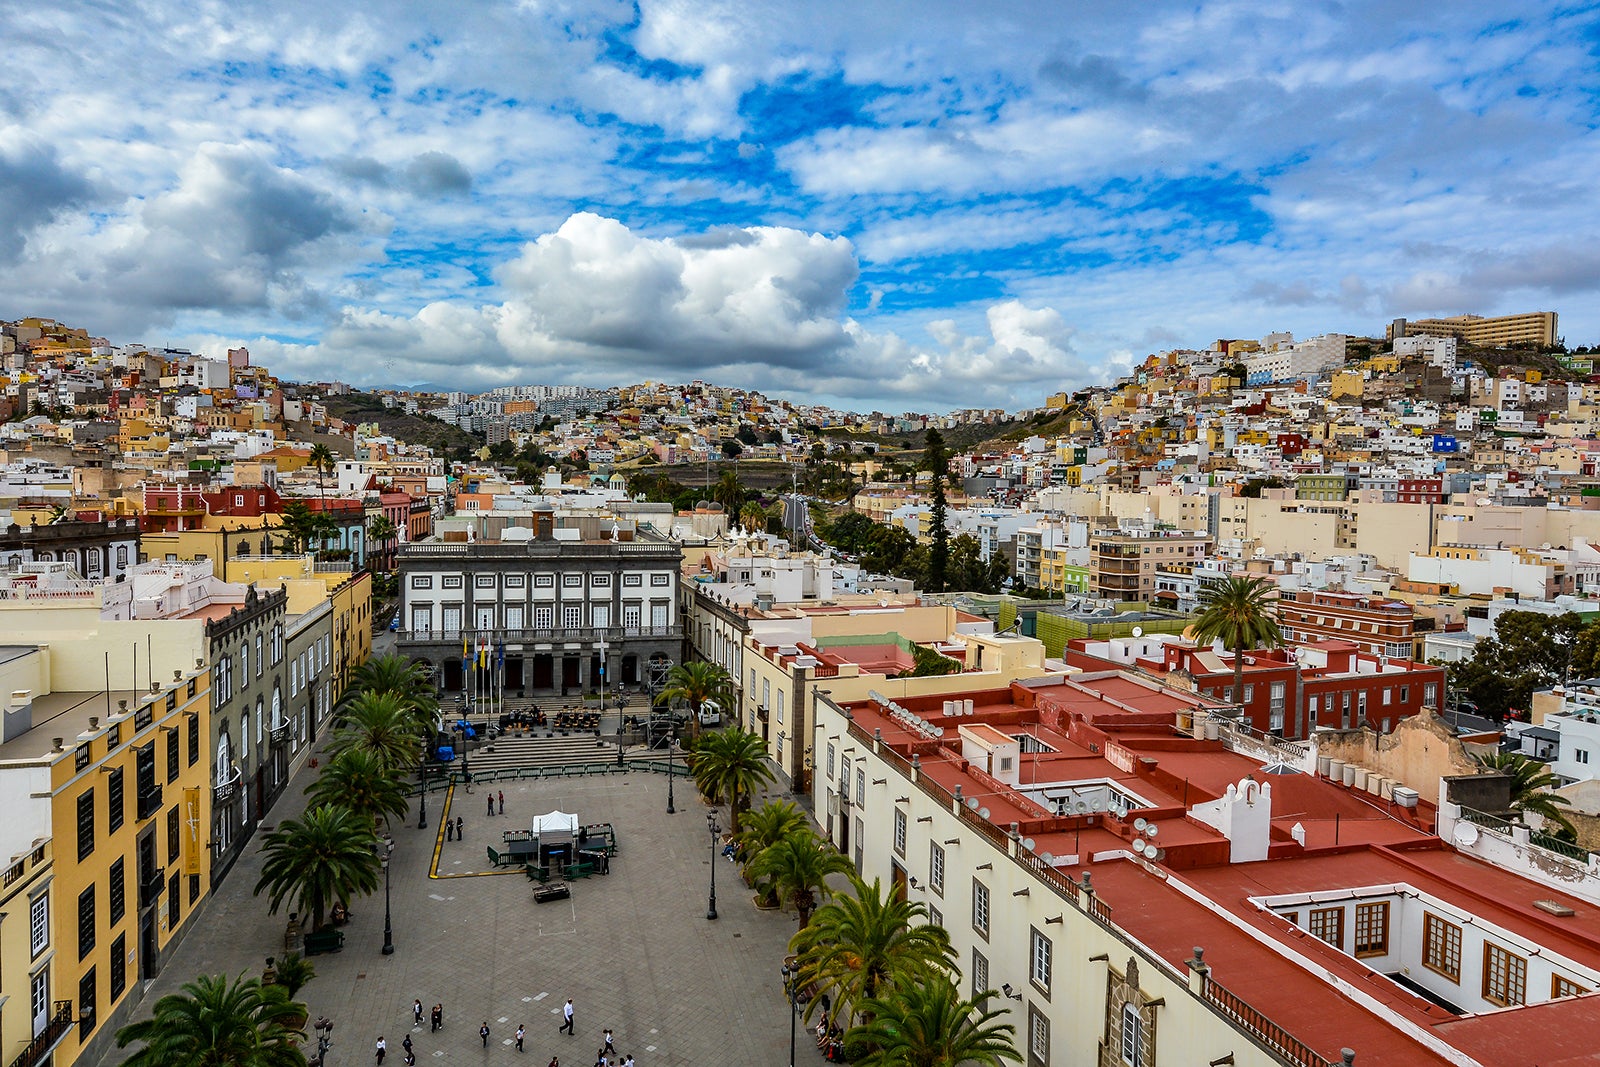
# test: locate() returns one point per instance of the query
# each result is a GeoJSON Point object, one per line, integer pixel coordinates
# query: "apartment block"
{"type": "Point", "coordinates": [1533, 328]}
{"type": "Point", "coordinates": [1123, 564]}
{"type": "Point", "coordinates": [1376, 625]}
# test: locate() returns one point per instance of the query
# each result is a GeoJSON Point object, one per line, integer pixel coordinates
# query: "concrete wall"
{"type": "Point", "coordinates": [1419, 752]}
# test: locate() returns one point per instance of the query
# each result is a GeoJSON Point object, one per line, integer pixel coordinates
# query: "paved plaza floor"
{"type": "Point", "coordinates": [634, 949]}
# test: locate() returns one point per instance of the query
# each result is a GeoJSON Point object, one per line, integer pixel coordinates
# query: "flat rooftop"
{"type": "Point", "coordinates": [66, 715]}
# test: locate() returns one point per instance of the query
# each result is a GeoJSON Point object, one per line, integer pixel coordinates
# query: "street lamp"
{"type": "Point", "coordinates": [422, 778]}
{"type": "Point", "coordinates": [791, 976]}
{"type": "Point", "coordinates": [388, 927]}
{"type": "Point", "coordinates": [672, 744]}
{"type": "Point", "coordinates": [716, 829]}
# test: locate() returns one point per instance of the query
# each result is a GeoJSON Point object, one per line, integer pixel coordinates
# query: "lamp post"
{"type": "Point", "coordinates": [388, 927]}
{"type": "Point", "coordinates": [791, 974]}
{"type": "Point", "coordinates": [672, 743]}
{"type": "Point", "coordinates": [715, 828]}
{"type": "Point", "coordinates": [422, 778]}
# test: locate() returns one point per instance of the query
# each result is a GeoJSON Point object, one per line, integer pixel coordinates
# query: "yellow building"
{"type": "Point", "coordinates": [107, 801]}
{"type": "Point", "coordinates": [1534, 327]}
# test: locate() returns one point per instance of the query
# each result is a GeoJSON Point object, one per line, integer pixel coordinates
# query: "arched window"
{"type": "Point", "coordinates": [277, 707]}
{"type": "Point", "coordinates": [244, 735]}
{"type": "Point", "coordinates": [225, 768]}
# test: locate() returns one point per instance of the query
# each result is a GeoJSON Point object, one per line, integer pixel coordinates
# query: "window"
{"type": "Point", "coordinates": [661, 579]}
{"type": "Point", "coordinates": [194, 739]}
{"type": "Point", "coordinates": [117, 892]}
{"type": "Point", "coordinates": [980, 974]}
{"type": "Point", "coordinates": [899, 832]}
{"type": "Point", "coordinates": [1582, 754]}
{"type": "Point", "coordinates": [600, 581]}
{"type": "Point", "coordinates": [1327, 924]}
{"type": "Point", "coordinates": [39, 924]}
{"type": "Point", "coordinates": [1405, 694]}
{"type": "Point", "coordinates": [173, 756]}
{"type": "Point", "coordinates": [1132, 1036]}
{"type": "Point", "coordinates": [115, 800]}
{"type": "Point", "coordinates": [86, 1005]}
{"type": "Point", "coordinates": [632, 581]}
{"type": "Point", "coordinates": [571, 581]}
{"type": "Point", "coordinates": [85, 823]}
{"type": "Point", "coordinates": [1040, 951]}
{"type": "Point", "coordinates": [980, 909]}
{"type": "Point", "coordinates": [844, 777]}
{"type": "Point", "coordinates": [86, 925]}
{"type": "Point", "coordinates": [1372, 929]}
{"type": "Point", "coordinates": [80, 758]}
{"type": "Point", "coordinates": [515, 581]}
{"type": "Point", "coordinates": [1505, 976]}
{"type": "Point", "coordinates": [830, 760]}
{"type": "Point", "coordinates": [544, 581]}
{"type": "Point", "coordinates": [450, 581]}
{"type": "Point", "coordinates": [174, 842]}
{"type": "Point", "coordinates": [422, 581]}
{"type": "Point", "coordinates": [119, 966]}
{"type": "Point", "coordinates": [261, 663]}
{"type": "Point", "coordinates": [483, 581]}
{"type": "Point", "coordinates": [935, 917]}
{"type": "Point", "coordinates": [1565, 987]}
{"type": "Point", "coordinates": [936, 868]}
{"type": "Point", "coordinates": [861, 787]}
{"type": "Point", "coordinates": [1038, 1036]}
{"type": "Point", "coordinates": [1430, 695]}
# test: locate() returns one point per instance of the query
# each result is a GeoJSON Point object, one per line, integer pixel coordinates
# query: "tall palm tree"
{"type": "Point", "coordinates": [753, 516]}
{"type": "Point", "coordinates": [729, 766]}
{"type": "Point", "coordinates": [695, 683]}
{"type": "Point", "coordinates": [382, 724]}
{"type": "Point", "coordinates": [798, 866]}
{"type": "Point", "coordinates": [358, 779]}
{"type": "Point", "coordinates": [1532, 788]}
{"type": "Point", "coordinates": [400, 677]}
{"type": "Point", "coordinates": [861, 944]}
{"type": "Point", "coordinates": [322, 459]}
{"type": "Point", "coordinates": [928, 1025]}
{"type": "Point", "coordinates": [214, 1022]}
{"type": "Point", "coordinates": [384, 531]}
{"type": "Point", "coordinates": [1239, 611]}
{"type": "Point", "coordinates": [729, 492]}
{"type": "Point", "coordinates": [763, 827]}
{"type": "Point", "coordinates": [323, 858]}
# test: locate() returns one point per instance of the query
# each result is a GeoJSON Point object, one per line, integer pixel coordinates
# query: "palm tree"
{"type": "Point", "coordinates": [766, 826]}
{"type": "Point", "coordinates": [359, 779]}
{"type": "Point", "coordinates": [860, 944]}
{"type": "Point", "coordinates": [798, 866]}
{"type": "Point", "coordinates": [1532, 788]}
{"type": "Point", "coordinates": [400, 677]}
{"type": "Point", "coordinates": [1239, 610]}
{"type": "Point", "coordinates": [384, 531]}
{"type": "Point", "coordinates": [382, 724]}
{"type": "Point", "coordinates": [928, 1025]}
{"type": "Point", "coordinates": [322, 459]}
{"type": "Point", "coordinates": [213, 1022]}
{"type": "Point", "coordinates": [695, 683]}
{"type": "Point", "coordinates": [326, 857]}
{"type": "Point", "coordinates": [729, 766]}
{"type": "Point", "coordinates": [753, 516]}
{"type": "Point", "coordinates": [728, 492]}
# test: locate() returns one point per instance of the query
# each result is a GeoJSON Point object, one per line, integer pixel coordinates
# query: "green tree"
{"type": "Point", "coordinates": [850, 532]}
{"type": "Point", "coordinates": [293, 972]}
{"type": "Point", "coordinates": [323, 460]}
{"type": "Point", "coordinates": [729, 492]}
{"type": "Point", "coordinates": [937, 462]}
{"type": "Point", "coordinates": [1532, 789]}
{"type": "Point", "coordinates": [382, 724]}
{"type": "Point", "coordinates": [1528, 650]}
{"type": "Point", "coordinates": [301, 524]}
{"type": "Point", "coordinates": [359, 779]}
{"type": "Point", "coordinates": [695, 683]}
{"type": "Point", "coordinates": [764, 827]}
{"type": "Point", "coordinates": [323, 858]}
{"type": "Point", "coordinates": [383, 530]}
{"type": "Point", "coordinates": [861, 945]}
{"type": "Point", "coordinates": [892, 550]}
{"type": "Point", "coordinates": [1238, 610]}
{"type": "Point", "coordinates": [213, 1022]}
{"type": "Point", "coordinates": [929, 1025]}
{"type": "Point", "coordinates": [927, 662]}
{"type": "Point", "coordinates": [729, 766]}
{"type": "Point", "coordinates": [753, 516]}
{"type": "Point", "coordinates": [402, 678]}
{"type": "Point", "coordinates": [798, 866]}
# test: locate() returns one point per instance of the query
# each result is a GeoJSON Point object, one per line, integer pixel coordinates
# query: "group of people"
{"type": "Point", "coordinates": [502, 797]}
{"type": "Point", "coordinates": [606, 1057]}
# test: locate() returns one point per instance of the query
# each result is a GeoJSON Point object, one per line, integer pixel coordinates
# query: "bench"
{"type": "Point", "coordinates": [554, 891]}
{"type": "Point", "coordinates": [321, 941]}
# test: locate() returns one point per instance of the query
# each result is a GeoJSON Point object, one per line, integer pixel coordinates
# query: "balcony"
{"type": "Point", "coordinates": [224, 792]}
{"type": "Point", "coordinates": [149, 802]}
{"type": "Point", "coordinates": [45, 1041]}
{"type": "Point", "coordinates": [150, 888]}
{"type": "Point", "coordinates": [280, 733]}
{"type": "Point", "coordinates": [613, 635]}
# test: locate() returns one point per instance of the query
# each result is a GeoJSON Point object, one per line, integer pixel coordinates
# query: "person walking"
{"type": "Point", "coordinates": [483, 1032]}
{"type": "Point", "coordinates": [502, 802]}
{"type": "Point", "coordinates": [461, 828]}
{"type": "Point", "coordinates": [520, 1031]}
{"type": "Point", "coordinates": [449, 830]}
{"type": "Point", "coordinates": [406, 1044]}
{"type": "Point", "coordinates": [566, 1013]}
{"type": "Point", "coordinates": [381, 1047]}
{"type": "Point", "coordinates": [438, 1019]}
{"type": "Point", "coordinates": [490, 798]}
{"type": "Point", "coordinates": [411, 1059]}
{"type": "Point", "coordinates": [609, 1047]}
{"type": "Point", "coordinates": [416, 1013]}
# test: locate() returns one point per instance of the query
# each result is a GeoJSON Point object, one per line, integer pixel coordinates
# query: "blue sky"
{"type": "Point", "coordinates": [891, 206]}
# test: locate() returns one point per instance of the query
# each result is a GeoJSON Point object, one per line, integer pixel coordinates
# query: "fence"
{"type": "Point", "coordinates": [1279, 1041]}
{"type": "Point", "coordinates": [565, 770]}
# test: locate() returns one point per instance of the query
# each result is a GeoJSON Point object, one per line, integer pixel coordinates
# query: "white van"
{"type": "Point", "coordinates": [711, 713]}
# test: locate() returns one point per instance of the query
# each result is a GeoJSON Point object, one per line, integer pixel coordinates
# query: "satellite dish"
{"type": "Point", "coordinates": [1048, 858]}
{"type": "Point", "coordinates": [1159, 855]}
{"type": "Point", "coordinates": [1139, 845]}
{"type": "Point", "coordinates": [972, 802]}
{"type": "Point", "coordinates": [983, 813]}
{"type": "Point", "coordinates": [1028, 843]}
{"type": "Point", "coordinates": [1151, 830]}
{"type": "Point", "coordinates": [1139, 824]}
{"type": "Point", "coordinates": [1138, 631]}
{"type": "Point", "coordinates": [1082, 806]}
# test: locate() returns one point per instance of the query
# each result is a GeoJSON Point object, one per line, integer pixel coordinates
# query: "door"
{"type": "Point", "coordinates": [897, 881]}
{"type": "Point", "coordinates": [544, 617]}
{"type": "Point", "coordinates": [483, 616]}
{"type": "Point", "coordinates": [659, 614]}
{"type": "Point", "coordinates": [514, 613]}
{"type": "Point", "coordinates": [39, 999]}
{"type": "Point", "coordinates": [544, 672]}
{"type": "Point", "coordinates": [569, 672]}
{"type": "Point", "coordinates": [147, 944]}
{"type": "Point", "coordinates": [452, 621]}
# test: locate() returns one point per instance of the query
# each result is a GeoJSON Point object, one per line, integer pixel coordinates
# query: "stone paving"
{"type": "Point", "coordinates": [633, 949]}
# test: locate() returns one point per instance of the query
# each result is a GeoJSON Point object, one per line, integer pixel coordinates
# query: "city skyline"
{"type": "Point", "coordinates": [886, 208]}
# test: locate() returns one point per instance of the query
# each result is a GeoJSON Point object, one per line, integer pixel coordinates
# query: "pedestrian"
{"type": "Point", "coordinates": [483, 1032]}
{"type": "Point", "coordinates": [600, 1059]}
{"type": "Point", "coordinates": [555, 1061]}
{"type": "Point", "coordinates": [627, 1061]}
{"type": "Point", "coordinates": [520, 1031]}
{"type": "Point", "coordinates": [449, 830]}
{"type": "Point", "coordinates": [381, 1048]}
{"type": "Point", "coordinates": [566, 1013]}
{"type": "Point", "coordinates": [461, 828]}
{"type": "Point", "coordinates": [437, 1019]}
{"type": "Point", "coordinates": [411, 1059]}
{"type": "Point", "coordinates": [502, 802]}
{"type": "Point", "coordinates": [416, 1013]}
{"type": "Point", "coordinates": [491, 803]}
{"type": "Point", "coordinates": [406, 1044]}
{"type": "Point", "coordinates": [610, 1048]}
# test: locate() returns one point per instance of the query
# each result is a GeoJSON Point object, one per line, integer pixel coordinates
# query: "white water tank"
{"type": "Point", "coordinates": [1405, 796]}
{"type": "Point", "coordinates": [1336, 769]}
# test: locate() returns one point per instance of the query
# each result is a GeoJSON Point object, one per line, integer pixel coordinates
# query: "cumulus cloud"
{"type": "Point", "coordinates": [427, 174]}
{"type": "Point", "coordinates": [34, 188]}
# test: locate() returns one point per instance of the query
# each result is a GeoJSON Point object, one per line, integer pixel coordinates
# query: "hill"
{"type": "Point", "coordinates": [412, 429]}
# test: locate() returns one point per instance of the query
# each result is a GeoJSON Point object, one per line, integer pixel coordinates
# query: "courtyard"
{"type": "Point", "coordinates": [634, 949]}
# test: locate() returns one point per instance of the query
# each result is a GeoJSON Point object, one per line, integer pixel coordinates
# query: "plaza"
{"type": "Point", "coordinates": [634, 949]}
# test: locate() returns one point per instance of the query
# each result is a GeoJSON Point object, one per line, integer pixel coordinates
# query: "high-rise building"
{"type": "Point", "coordinates": [1533, 327]}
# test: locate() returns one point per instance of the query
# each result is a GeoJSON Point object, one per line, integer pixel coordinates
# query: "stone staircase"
{"type": "Point", "coordinates": [574, 749]}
